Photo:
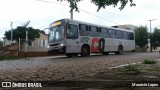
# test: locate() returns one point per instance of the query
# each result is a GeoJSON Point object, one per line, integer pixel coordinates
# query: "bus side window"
{"type": "Point", "coordinates": [112, 33]}
{"type": "Point", "coordinates": [125, 35]}
{"type": "Point", "coordinates": [83, 29]}
{"type": "Point", "coordinates": [72, 32]}
{"type": "Point", "coordinates": [94, 32]}
{"type": "Point", "coordinates": [119, 34]}
{"type": "Point", "coordinates": [130, 36]}
{"type": "Point", "coordinates": [104, 32]}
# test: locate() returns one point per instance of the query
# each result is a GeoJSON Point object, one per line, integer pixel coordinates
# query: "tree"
{"type": "Point", "coordinates": [20, 32]}
{"type": "Point", "coordinates": [155, 37]}
{"type": "Point", "coordinates": [101, 3]}
{"type": "Point", "coordinates": [1, 43]}
{"type": "Point", "coordinates": [141, 36]}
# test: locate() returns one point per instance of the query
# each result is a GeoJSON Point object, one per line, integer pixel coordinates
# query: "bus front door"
{"type": "Point", "coordinates": [72, 39]}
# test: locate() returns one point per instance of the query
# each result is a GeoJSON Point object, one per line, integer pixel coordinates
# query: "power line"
{"type": "Point", "coordinates": [81, 10]}
{"type": "Point", "coordinates": [52, 2]}
{"type": "Point", "coordinates": [98, 16]}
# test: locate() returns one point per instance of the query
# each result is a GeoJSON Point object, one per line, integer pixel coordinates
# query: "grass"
{"type": "Point", "coordinates": [149, 61]}
{"type": "Point", "coordinates": [130, 69]}
{"type": "Point", "coordinates": [2, 58]}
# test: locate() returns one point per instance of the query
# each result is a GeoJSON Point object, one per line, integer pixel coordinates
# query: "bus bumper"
{"type": "Point", "coordinates": [56, 50]}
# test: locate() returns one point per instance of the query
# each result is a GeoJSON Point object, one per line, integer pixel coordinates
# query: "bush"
{"type": "Point", "coordinates": [149, 61]}
{"type": "Point", "coordinates": [130, 69]}
{"type": "Point", "coordinates": [9, 58]}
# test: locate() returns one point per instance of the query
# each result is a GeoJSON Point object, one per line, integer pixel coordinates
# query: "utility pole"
{"type": "Point", "coordinates": [150, 34]}
{"type": "Point", "coordinates": [25, 25]}
{"type": "Point", "coordinates": [11, 25]}
{"type": "Point", "coordinates": [71, 14]}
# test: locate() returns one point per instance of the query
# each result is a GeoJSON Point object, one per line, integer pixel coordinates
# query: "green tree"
{"type": "Point", "coordinates": [155, 37]}
{"type": "Point", "coordinates": [1, 43]}
{"type": "Point", "coordinates": [101, 3]}
{"type": "Point", "coordinates": [20, 32]}
{"type": "Point", "coordinates": [141, 36]}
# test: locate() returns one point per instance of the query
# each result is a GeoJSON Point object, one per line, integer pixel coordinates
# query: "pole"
{"type": "Point", "coordinates": [150, 34]}
{"type": "Point", "coordinates": [26, 44]}
{"type": "Point", "coordinates": [11, 32]}
{"type": "Point", "coordinates": [150, 37]}
{"type": "Point", "coordinates": [19, 44]}
{"type": "Point", "coordinates": [71, 14]}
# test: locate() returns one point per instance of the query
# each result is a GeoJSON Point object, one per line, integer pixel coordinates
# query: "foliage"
{"type": "Point", "coordinates": [9, 58]}
{"type": "Point", "coordinates": [101, 3]}
{"type": "Point", "coordinates": [149, 61]}
{"type": "Point", "coordinates": [20, 32]}
{"type": "Point", "coordinates": [1, 43]}
{"type": "Point", "coordinates": [155, 37]}
{"type": "Point", "coordinates": [130, 69]}
{"type": "Point", "coordinates": [141, 36]}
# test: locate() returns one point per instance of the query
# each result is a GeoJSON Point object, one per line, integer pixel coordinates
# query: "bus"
{"type": "Point", "coordinates": [72, 37]}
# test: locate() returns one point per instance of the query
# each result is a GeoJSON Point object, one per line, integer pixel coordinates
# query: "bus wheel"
{"type": "Point", "coordinates": [120, 50]}
{"type": "Point", "coordinates": [85, 51]}
{"type": "Point", "coordinates": [69, 54]}
{"type": "Point", "coordinates": [76, 55]}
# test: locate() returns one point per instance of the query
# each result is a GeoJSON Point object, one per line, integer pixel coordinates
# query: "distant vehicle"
{"type": "Point", "coordinates": [73, 37]}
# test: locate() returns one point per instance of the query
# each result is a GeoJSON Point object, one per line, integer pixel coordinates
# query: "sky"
{"type": "Point", "coordinates": [41, 14]}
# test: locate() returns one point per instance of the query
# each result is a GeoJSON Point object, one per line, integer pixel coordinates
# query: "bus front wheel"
{"type": "Point", "coordinates": [85, 51]}
{"type": "Point", "coordinates": [69, 54]}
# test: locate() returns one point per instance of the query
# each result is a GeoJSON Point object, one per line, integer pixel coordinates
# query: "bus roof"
{"type": "Point", "coordinates": [81, 22]}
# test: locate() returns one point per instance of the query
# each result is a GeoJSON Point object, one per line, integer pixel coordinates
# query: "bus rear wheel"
{"type": "Point", "coordinates": [85, 51]}
{"type": "Point", "coordinates": [120, 50]}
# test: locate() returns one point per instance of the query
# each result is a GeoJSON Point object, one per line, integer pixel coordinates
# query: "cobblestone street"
{"type": "Point", "coordinates": [63, 68]}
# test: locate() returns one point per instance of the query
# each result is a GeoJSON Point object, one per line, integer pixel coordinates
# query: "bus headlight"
{"type": "Point", "coordinates": [48, 46]}
{"type": "Point", "coordinates": [61, 44]}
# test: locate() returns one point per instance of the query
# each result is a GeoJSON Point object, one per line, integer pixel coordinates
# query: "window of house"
{"type": "Point", "coordinates": [30, 43]}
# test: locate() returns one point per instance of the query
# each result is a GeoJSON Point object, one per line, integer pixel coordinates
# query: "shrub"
{"type": "Point", "coordinates": [130, 69]}
{"type": "Point", "coordinates": [9, 58]}
{"type": "Point", "coordinates": [149, 61]}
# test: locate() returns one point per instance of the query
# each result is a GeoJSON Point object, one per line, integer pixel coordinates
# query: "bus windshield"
{"type": "Point", "coordinates": [56, 34]}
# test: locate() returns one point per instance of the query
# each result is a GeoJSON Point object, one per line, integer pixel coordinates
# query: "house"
{"type": "Point", "coordinates": [39, 44]}
{"type": "Point", "coordinates": [125, 26]}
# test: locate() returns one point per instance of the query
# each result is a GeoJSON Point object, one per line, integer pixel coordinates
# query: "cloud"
{"type": "Point", "coordinates": [41, 14]}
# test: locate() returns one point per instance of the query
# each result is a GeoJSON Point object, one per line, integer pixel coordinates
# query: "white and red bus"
{"type": "Point", "coordinates": [73, 37]}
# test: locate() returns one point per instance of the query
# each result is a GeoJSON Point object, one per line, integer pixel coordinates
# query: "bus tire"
{"type": "Point", "coordinates": [69, 54]}
{"type": "Point", "coordinates": [120, 50]}
{"type": "Point", "coordinates": [85, 51]}
{"type": "Point", "coordinates": [76, 54]}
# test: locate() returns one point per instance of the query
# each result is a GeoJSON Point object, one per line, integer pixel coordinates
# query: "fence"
{"type": "Point", "coordinates": [10, 50]}
{"type": "Point", "coordinates": [34, 48]}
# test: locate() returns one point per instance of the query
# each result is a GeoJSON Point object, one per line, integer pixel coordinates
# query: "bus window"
{"type": "Point", "coordinates": [94, 31]}
{"type": "Point", "coordinates": [112, 33]}
{"type": "Point", "coordinates": [83, 27]}
{"type": "Point", "coordinates": [125, 35]}
{"type": "Point", "coordinates": [104, 32]}
{"type": "Point", "coordinates": [72, 32]}
{"type": "Point", "coordinates": [130, 36]}
{"type": "Point", "coordinates": [119, 34]}
{"type": "Point", "coordinates": [83, 30]}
